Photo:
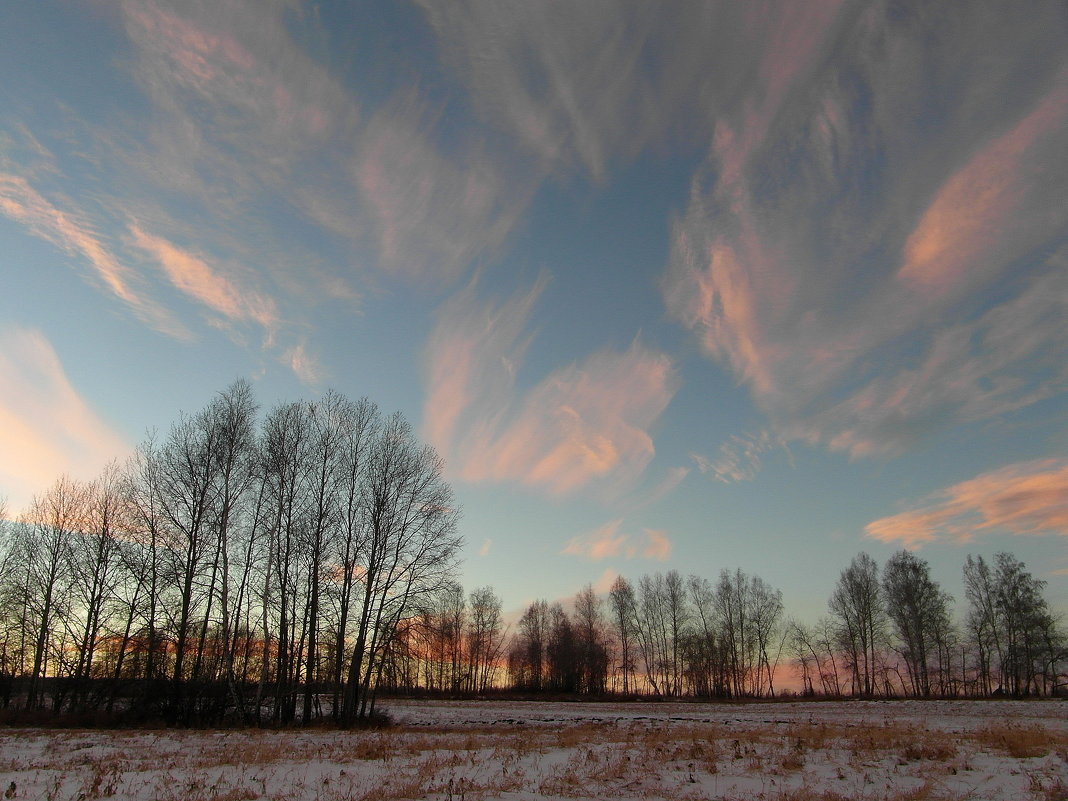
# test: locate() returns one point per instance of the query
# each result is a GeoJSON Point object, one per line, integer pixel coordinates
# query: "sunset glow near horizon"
{"type": "Point", "coordinates": [690, 287]}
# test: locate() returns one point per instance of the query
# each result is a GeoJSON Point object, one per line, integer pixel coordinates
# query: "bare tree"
{"type": "Point", "coordinates": [1028, 629]}
{"type": "Point", "coordinates": [592, 641]}
{"type": "Point", "coordinates": [919, 611]}
{"type": "Point", "coordinates": [411, 549]}
{"type": "Point", "coordinates": [662, 615]}
{"type": "Point", "coordinates": [44, 547]}
{"type": "Point", "coordinates": [360, 425]}
{"type": "Point", "coordinates": [765, 612]}
{"type": "Point", "coordinates": [858, 605]}
{"type": "Point", "coordinates": [707, 669]}
{"type": "Point", "coordinates": [527, 660]}
{"type": "Point", "coordinates": [285, 441]}
{"type": "Point", "coordinates": [623, 606]}
{"type": "Point", "coordinates": [95, 570]}
{"type": "Point", "coordinates": [485, 638]}
{"type": "Point", "coordinates": [14, 634]}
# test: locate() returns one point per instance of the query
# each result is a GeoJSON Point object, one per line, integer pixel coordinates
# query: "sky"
{"type": "Point", "coordinates": [692, 286]}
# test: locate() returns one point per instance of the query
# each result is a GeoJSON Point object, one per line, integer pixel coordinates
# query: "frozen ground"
{"type": "Point", "coordinates": [467, 751]}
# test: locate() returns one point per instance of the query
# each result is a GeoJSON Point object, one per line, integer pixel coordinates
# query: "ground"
{"type": "Point", "coordinates": [466, 751]}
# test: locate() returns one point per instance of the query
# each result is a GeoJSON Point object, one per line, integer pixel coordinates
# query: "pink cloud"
{"type": "Point", "coordinates": [434, 212]}
{"type": "Point", "coordinates": [601, 543]}
{"type": "Point", "coordinates": [740, 457]}
{"type": "Point", "coordinates": [470, 366]}
{"type": "Point", "coordinates": [46, 428]}
{"type": "Point", "coordinates": [196, 278]}
{"type": "Point", "coordinates": [657, 545]}
{"type": "Point", "coordinates": [237, 57]}
{"type": "Point", "coordinates": [852, 330]}
{"type": "Point", "coordinates": [981, 216]}
{"type": "Point", "coordinates": [73, 234]}
{"type": "Point", "coordinates": [1027, 498]}
{"type": "Point", "coordinates": [607, 542]}
{"type": "Point", "coordinates": [585, 85]}
{"type": "Point", "coordinates": [303, 364]}
{"type": "Point", "coordinates": [584, 423]}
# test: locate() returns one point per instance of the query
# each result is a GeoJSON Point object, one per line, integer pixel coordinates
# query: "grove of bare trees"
{"type": "Point", "coordinates": [234, 568]}
{"type": "Point", "coordinates": [282, 568]}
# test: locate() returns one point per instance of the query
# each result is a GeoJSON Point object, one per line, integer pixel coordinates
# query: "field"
{"type": "Point", "coordinates": [466, 751]}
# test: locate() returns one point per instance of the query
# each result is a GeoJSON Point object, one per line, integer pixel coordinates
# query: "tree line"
{"type": "Point", "coordinates": [233, 568]}
{"type": "Point", "coordinates": [287, 568]}
{"type": "Point", "coordinates": [888, 632]}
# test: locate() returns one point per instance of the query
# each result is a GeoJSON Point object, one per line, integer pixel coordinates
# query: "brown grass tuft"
{"type": "Point", "coordinates": [1019, 742]}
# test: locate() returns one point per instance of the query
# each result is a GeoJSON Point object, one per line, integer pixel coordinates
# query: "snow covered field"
{"type": "Point", "coordinates": [465, 751]}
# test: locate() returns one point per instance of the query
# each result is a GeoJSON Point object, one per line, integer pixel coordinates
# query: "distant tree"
{"type": "Point", "coordinates": [623, 607]}
{"type": "Point", "coordinates": [705, 648]}
{"type": "Point", "coordinates": [919, 611]}
{"type": "Point", "coordinates": [592, 641]}
{"type": "Point", "coordinates": [562, 652]}
{"type": "Point", "coordinates": [983, 623]}
{"type": "Point", "coordinates": [527, 658]}
{"type": "Point", "coordinates": [95, 570]}
{"type": "Point", "coordinates": [485, 638]}
{"type": "Point", "coordinates": [857, 604]}
{"type": "Point", "coordinates": [44, 550]}
{"type": "Point", "coordinates": [1028, 628]}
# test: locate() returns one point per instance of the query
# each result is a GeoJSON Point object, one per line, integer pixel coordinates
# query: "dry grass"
{"type": "Point", "coordinates": [1020, 742]}
{"type": "Point", "coordinates": [780, 761]}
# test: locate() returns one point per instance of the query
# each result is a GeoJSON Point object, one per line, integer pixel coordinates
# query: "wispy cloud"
{"type": "Point", "coordinates": [657, 545]}
{"type": "Point", "coordinates": [601, 543]}
{"type": "Point", "coordinates": [984, 216]}
{"type": "Point", "coordinates": [46, 428]}
{"type": "Point", "coordinates": [71, 232]}
{"type": "Point", "coordinates": [608, 542]}
{"type": "Point", "coordinates": [245, 113]}
{"type": "Point", "coordinates": [1024, 498]}
{"type": "Point", "coordinates": [740, 457]}
{"type": "Point", "coordinates": [234, 75]}
{"type": "Point", "coordinates": [303, 363]}
{"type": "Point", "coordinates": [851, 299]}
{"type": "Point", "coordinates": [434, 213]}
{"type": "Point", "coordinates": [583, 85]}
{"type": "Point", "coordinates": [642, 498]}
{"type": "Point", "coordinates": [583, 423]}
{"type": "Point", "coordinates": [1009, 358]}
{"type": "Point", "coordinates": [206, 284]}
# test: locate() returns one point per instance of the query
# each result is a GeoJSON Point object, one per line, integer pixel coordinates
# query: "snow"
{"type": "Point", "coordinates": [470, 750]}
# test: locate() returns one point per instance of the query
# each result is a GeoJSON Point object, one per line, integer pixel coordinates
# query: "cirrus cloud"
{"type": "Point", "coordinates": [192, 275]}
{"type": "Point", "coordinates": [607, 542]}
{"type": "Point", "coordinates": [587, 422]}
{"type": "Point", "coordinates": [72, 232]}
{"type": "Point", "coordinates": [842, 265]}
{"type": "Point", "coordinates": [1027, 498]}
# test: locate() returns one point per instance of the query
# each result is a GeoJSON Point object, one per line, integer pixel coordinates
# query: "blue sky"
{"type": "Point", "coordinates": [689, 287]}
